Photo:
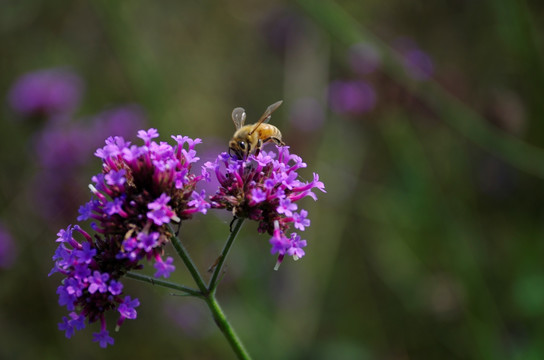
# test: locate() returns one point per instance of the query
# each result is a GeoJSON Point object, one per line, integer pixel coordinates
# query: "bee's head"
{"type": "Point", "coordinates": [239, 148]}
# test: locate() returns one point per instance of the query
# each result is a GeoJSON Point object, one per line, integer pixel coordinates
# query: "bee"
{"type": "Point", "coordinates": [249, 139]}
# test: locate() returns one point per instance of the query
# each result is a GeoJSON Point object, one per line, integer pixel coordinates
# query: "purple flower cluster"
{"type": "Point", "coordinates": [48, 92]}
{"type": "Point", "coordinates": [265, 189]}
{"type": "Point", "coordinates": [140, 189]}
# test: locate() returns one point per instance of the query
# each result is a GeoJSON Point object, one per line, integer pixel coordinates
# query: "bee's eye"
{"type": "Point", "coordinates": [242, 145]}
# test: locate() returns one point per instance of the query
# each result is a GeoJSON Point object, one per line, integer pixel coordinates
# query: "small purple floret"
{"type": "Point", "coordinates": [103, 338]}
{"type": "Point", "coordinates": [164, 268]}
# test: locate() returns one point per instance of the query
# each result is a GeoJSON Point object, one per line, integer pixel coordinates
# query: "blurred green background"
{"type": "Point", "coordinates": [429, 241]}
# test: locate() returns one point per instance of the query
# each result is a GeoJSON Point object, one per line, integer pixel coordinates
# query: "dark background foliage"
{"type": "Point", "coordinates": [429, 241]}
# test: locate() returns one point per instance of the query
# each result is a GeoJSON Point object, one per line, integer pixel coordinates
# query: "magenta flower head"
{"type": "Point", "coordinates": [140, 190]}
{"type": "Point", "coordinates": [266, 188]}
{"type": "Point", "coordinates": [46, 93]}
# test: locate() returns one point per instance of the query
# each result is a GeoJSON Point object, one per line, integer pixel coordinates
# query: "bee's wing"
{"type": "Point", "coordinates": [267, 115]}
{"type": "Point", "coordinates": [239, 117]}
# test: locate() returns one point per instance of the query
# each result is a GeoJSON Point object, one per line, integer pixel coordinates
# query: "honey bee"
{"type": "Point", "coordinates": [249, 139]}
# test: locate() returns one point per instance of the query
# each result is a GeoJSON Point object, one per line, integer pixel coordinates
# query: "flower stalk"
{"type": "Point", "coordinates": [206, 292]}
{"type": "Point", "coordinates": [226, 328]}
{"type": "Point", "coordinates": [189, 264]}
{"type": "Point", "coordinates": [212, 286]}
{"type": "Point", "coordinates": [163, 283]}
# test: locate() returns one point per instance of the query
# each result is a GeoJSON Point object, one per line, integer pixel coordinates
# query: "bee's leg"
{"type": "Point", "coordinates": [275, 139]}
{"type": "Point", "coordinates": [258, 148]}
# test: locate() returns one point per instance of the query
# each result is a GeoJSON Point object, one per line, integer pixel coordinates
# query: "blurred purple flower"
{"type": "Point", "coordinates": [62, 147]}
{"type": "Point", "coordinates": [121, 120]}
{"type": "Point", "coordinates": [417, 63]}
{"type": "Point", "coordinates": [351, 97]}
{"type": "Point", "coordinates": [307, 114]}
{"type": "Point", "coordinates": [47, 92]}
{"type": "Point", "coordinates": [62, 150]}
{"type": "Point", "coordinates": [363, 58]}
{"type": "Point", "coordinates": [7, 248]}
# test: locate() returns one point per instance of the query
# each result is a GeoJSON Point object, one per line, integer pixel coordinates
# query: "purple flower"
{"type": "Point", "coordinates": [69, 325]}
{"type": "Point", "coordinates": [164, 268]}
{"type": "Point", "coordinates": [148, 135]}
{"type": "Point", "coordinates": [282, 245]}
{"type": "Point", "coordinates": [103, 338]}
{"type": "Point", "coordinates": [98, 282]}
{"type": "Point", "coordinates": [257, 196]}
{"type": "Point", "coordinates": [353, 97]}
{"type": "Point", "coordinates": [65, 236]}
{"type": "Point", "coordinates": [301, 222]}
{"type": "Point", "coordinates": [86, 211]}
{"type": "Point", "coordinates": [116, 177]}
{"type": "Point", "coordinates": [148, 241]}
{"type": "Point", "coordinates": [86, 254]}
{"type": "Point", "coordinates": [46, 92]}
{"type": "Point", "coordinates": [115, 207]}
{"type": "Point", "coordinates": [286, 207]}
{"type": "Point", "coordinates": [140, 189]}
{"type": "Point", "coordinates": [7, 248]}
{"type": "Point", "coordinates": [160, 212]}
{"type": "Point", "coordinates": [63, 147]}
{"type": "Point", "coordinates": [199, 202]}
{"type": "Point", "coordinates": [279, 242]}
{"type": "Point", "coordinates": [115, 287]}
{"type": "Point", "coordinates": [417, 63]}
{"type": "Point", "coordinates": [295, 246]}
{"type": "Point", "coordinates": [127, 310]}
{"type": "Point", "coordinates": [265, 188]}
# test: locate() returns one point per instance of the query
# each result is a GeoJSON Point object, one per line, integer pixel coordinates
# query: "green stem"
{"type": "Point", "coordinates": [184, 255]}
{"type": "Point", "coordinates": [212, 285]}
{"type": "Point", "coordinates": [163, 283]}
{"type": "Point", "coordinates": [226, 328]}
{"type": "Point", "coordinates": [208, 294]}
